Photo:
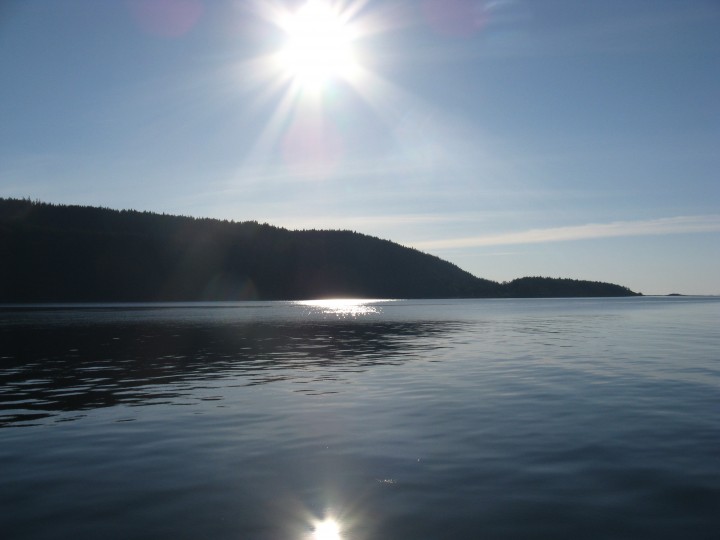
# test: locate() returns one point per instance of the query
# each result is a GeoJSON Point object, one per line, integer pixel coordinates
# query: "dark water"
{"type": "Point", "coordinates": [397, 420]}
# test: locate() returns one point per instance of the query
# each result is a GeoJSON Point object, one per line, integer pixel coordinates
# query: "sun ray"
{"type": "Point", "coordinates": [319, 51]}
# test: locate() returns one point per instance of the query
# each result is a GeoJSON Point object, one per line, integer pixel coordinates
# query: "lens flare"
{"type": "Point", "coordinates": [166, 18]}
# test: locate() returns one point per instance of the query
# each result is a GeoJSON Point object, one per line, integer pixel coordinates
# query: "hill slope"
{"type": "Point", "coordinates": [52, 253]}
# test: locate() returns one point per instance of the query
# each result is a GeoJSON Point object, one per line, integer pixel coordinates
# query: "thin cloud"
{"type": "Point", "coordinates": [373, 222]}
{"type": "Point", "coordinates": [653, 227]}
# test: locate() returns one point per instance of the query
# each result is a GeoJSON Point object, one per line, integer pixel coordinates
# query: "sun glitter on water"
{"type": "Point", "coordinates": [343, 307]}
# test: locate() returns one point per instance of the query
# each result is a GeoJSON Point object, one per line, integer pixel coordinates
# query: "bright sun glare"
{"type": "Point", "coordinates": [327, 530]}
{"type": "Point", "coordinates": [318, 45]}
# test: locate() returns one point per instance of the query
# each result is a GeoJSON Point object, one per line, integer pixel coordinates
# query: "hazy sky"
{"type": "Point", "coordinates": [561, 138]}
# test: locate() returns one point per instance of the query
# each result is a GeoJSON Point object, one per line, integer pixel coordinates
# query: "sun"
{"type": "Point", "coordinates": [318, 45]}
{"type": "Point", "coordinates": [327, 530]}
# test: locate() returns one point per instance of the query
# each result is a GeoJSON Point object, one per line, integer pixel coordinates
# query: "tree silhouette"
{"type": "Point", "coordinates": [56, 253]}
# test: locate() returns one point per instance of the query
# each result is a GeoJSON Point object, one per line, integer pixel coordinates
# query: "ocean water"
{"type": "Point", "coordinates": [352, 420]}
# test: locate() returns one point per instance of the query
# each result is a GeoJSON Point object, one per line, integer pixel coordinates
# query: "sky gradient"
{"type": "Point", "coordinates": [512, 138]}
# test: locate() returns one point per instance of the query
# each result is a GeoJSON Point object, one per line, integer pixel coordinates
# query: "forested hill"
{"type": "Point", "coordinates": [51, 253]}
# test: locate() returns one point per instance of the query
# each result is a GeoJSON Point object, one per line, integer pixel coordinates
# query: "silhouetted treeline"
{"type": "Point", "coordinates": [54, 253]}
{"type": "Point", "coordinates": [544, 287]}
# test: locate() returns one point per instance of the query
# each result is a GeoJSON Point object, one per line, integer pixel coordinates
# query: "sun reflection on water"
{"type": "Point", "coordinates": [343, 307]}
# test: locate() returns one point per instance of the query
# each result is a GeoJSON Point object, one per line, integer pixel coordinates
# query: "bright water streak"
{"type": "Point", "coordinates": [399, 420]}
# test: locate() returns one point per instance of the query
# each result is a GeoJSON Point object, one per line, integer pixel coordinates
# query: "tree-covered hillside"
{"type": "Point", "coordinates": [51, 253]}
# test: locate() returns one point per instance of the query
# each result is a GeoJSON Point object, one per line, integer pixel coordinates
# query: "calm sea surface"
{"type": "Point", "coordinates": [477, 419]}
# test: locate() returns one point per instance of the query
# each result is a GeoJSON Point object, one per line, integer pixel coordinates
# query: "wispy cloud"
{"type": "Point", "coordinates": [653, 227]}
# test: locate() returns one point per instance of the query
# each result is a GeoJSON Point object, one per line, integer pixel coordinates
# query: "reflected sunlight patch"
{"type": "Point", "coordinates": [343, 307]}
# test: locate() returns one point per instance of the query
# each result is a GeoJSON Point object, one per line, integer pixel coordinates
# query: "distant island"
{"type": "Point", "coordinates": [56, 253]}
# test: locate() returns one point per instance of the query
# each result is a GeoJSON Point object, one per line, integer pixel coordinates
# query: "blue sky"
{"type": "Point", "coordinates": [546, 137]}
